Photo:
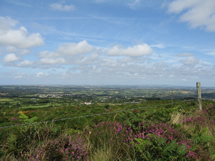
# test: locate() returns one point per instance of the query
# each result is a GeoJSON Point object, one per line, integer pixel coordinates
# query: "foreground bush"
{"type": "Point", "coordinates": [62, 148]}
{"type": "Point", "coordinates": [153, 141]}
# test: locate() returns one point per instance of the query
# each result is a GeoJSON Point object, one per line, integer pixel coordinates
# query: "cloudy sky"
{"type": "Point", "coordinates": [107, 42]}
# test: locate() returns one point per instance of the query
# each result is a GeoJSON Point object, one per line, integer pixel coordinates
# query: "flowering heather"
{"type": "Point", "coordinates": [204, 118]}
{"type": "Point", "coordinates": [165, 131]}
{"type": "Point", "coordinates": [210, 110]}
{"type": "Point", "coordinates": [191, 154]}
{"type": "Point", "coordinates": [124, 135]}
{"type": "Point", "coordinates": [63, 148]}
{"type": "Point", "coordinates": [13, 118]}
{"type": "Point", "coordinates": [195, 120]}
{"type": "Point", "coordinates": [36, 111]}
{"type": "Point", "coordinates": [26, 112]}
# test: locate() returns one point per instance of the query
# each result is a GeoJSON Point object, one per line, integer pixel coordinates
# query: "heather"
{"type": "Point", "coordinates": [163, 132]}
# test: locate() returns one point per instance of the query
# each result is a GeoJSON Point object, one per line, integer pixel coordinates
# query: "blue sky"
{"type": "Point", "coordinates": [107, 42]}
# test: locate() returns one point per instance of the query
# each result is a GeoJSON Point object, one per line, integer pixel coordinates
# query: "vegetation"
{"type": "Point", "coordinates": [132, 128]}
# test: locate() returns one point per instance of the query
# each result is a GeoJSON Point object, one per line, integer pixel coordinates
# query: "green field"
{"type": "Point", "coordinates": [6, 100]}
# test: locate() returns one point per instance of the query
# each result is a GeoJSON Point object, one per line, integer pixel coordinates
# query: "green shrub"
{"type": "Point", "coordinates": [157, 148]}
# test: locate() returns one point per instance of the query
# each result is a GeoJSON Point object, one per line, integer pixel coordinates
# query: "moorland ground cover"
{"type": "Point", "coordinates": [146, 130]}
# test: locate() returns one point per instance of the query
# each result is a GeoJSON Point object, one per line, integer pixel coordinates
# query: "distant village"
{"type": "Point", "coordinates": [54, 95]}
{"type": "Point", "coordinates": [105, 97]}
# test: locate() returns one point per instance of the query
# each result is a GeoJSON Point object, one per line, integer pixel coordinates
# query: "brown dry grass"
{"type": "Point", "coordinates": [177, 118]}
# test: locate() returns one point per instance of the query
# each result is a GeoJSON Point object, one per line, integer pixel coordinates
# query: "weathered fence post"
{"type": "Point", "coordinates": [198, 86]}
{"type": "Point", "coordinates": [172, 97]}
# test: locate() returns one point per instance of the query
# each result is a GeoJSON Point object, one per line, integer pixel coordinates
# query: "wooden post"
{"type": "Point", "coordinates": [198, 86]}
{"type": "Point", "coordinates": [172, 97]}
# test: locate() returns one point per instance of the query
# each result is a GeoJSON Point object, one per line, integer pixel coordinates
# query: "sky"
{"type": "Point", "coordinates": [107, 42]}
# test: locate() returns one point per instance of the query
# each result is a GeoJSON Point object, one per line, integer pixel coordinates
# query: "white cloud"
{"type": "Point", "coordinates": [10, 58]}
{"type": "Point", "coordinates": [185, 55]}
{"type": "Point", "coordinates": [25, 63]}
{"type": "Point", "coordinates": [7, 22]}
{"type": "Point", "coordinates": [134, 4]}
{"type": "Point", "coordinates": [74, 49]}
{"type": "Point", "coordinates": [188, 59]}
{"type": "Point", "coordinates": [160, 46]}
{"type": "Point", "coordinates": [17, 50]}
{"type": "Point", "coordinates": [21, 75]}
{"type": "Point", "coordinates": [138, 50]}
{"type": "Point", "coordinates": [19, 38]}
{"type": "Point", "coordinates": [197, 13]}
{"type": "Point", "coordinates": [122, 70]}
{"type": "Point", "coordinates": [24, 51]}
{"type": "Point", "coordinates": [177, 6]}
{"type": "Point", "coordinates": [211, 53]}
{"type": "Point", "coordinates": [69, 53]}
{"type": "Point", "coordinates": [11, 49]}
{"type": "Point", "coordinates": [184, 79]}
{"type": "Point", "coordinates": [53, 61]}
{"type": "Point", "coordinates": [47, 54]}
{"type": "Point", "coordinates": [40, 74]}
{"type": "Point", "coordinates": [61, 7]}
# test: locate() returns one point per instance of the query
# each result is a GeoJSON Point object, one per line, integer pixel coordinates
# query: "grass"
{"type": "Point", "coordinates": [36, 106]}
{"type": "Point", "coordinates": [6, 100]}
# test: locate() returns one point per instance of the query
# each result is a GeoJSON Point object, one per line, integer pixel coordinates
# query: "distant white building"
{"type": "Point", "coordinates": [87, 103]}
